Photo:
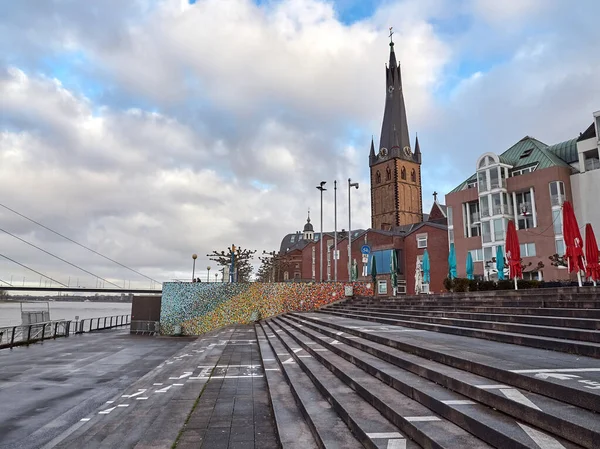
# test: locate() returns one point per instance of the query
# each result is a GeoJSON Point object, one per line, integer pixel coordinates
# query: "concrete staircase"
{"type": "Point", "coordinates": [436, 373]}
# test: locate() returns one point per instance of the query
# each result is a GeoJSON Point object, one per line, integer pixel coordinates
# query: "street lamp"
{"type": "Point", "coordinates": [194, 256]}
{"type": "Point", "coordinates": [350, 185]}
{"type": "Point", "coordinates": [322, 189]}
{"type": "Point", "coordinates": [208, 274]}
{"type": "Point", "coordinates": [216, 277]}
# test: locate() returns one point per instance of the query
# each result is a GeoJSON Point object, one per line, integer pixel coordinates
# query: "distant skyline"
{"type": "Point", "coordinates": [151, 130]}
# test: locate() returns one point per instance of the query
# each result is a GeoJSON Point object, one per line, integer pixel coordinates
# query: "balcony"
{"type": "Point", "coordinates": [557, 200]}
{"type": "Point", "coordinates": [501, 209]}
{"type": "Point", "coordinates": [592, 164]}
{"type": "Point", "coordinates": [475, 218]}
{"type": "Point", "coordinates": [498, 183]}
{"type": "Point", "coordinates": [486, 238]}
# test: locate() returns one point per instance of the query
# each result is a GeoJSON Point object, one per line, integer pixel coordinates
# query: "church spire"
{"type": "Point", "coordinates": [394, 130]}
{"type": "Point", "coordinates": [372, 152]}
{"type": "Point", "coordinates": [417, 150]}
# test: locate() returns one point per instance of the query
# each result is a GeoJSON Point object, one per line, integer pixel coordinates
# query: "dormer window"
{"type": "Point", "coordinates": [378, 177]}
{"type": "Point", "coordinates": [403, 173]}
{"type": "Point", "coordinates": [526, 153]}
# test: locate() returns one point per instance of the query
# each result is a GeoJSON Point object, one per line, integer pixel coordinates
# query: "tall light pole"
{"type": "Point", "coordinates": [335, 261]}
{"type": "Point", "coordinates": [208, 274]}
{"type": "Point", "coordinates": [194, 256]}
{"type": "Point", "coordinates": [322, 189]}
{"type": "Point", "coordinates": [350, 185]}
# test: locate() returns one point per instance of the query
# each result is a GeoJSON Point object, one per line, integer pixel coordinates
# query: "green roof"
{"type": "Point", "coordinates": [529, 151]}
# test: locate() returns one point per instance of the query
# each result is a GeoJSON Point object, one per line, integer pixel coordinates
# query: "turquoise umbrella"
{"type": "Point", "coordinates": [452, 262]}
{"type": "Point", "coordinates": [500, 263]}
{"type": "Point", "coordinates": [394, 269]}
{"type": "Point", "coordinates": [469, 265]}
{"type": "Point", "coordinates": [426, 267]}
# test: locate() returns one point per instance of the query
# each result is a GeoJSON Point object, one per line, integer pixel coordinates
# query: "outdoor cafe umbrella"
{"type": "Point", "coordinates": [394, 270]}
{"type": "Point", "coordinates": [591, 254]}
{"type": "Point", "coordinates": [354, 270]}
{"type": "Point", "coordinates": [500, 263]}
{"type": "Point", "coordinates": [452, 262]}
{"type": "Point", "coordinates": [469, 266]}
{"type": "Point", "coordinates": [513, 253]}
{"type": "Point", "coordinates": [573, 241]}
{"type": "Point", "coordinates": [374, 271]}
{"type": "Point", "coordinates": [426, 267]}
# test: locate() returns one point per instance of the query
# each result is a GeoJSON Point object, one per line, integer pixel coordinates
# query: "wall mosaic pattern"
{"type": "Point", "coordinates": [202, 307]}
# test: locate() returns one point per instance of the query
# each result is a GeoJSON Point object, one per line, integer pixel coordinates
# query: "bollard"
{"type": "Point", "coordinates": [28, 333]}
{"type": "Point", "coordinates": [12, 337]}
{"type": "Point", "coordinates": [55, 329]}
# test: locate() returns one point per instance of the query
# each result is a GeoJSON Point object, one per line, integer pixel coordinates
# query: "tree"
{"type": "Point", "coordinates": [274, 264]}
{"type": "Point", "coordinates": [243, 257]}
{"type": "Point", "coordinates": [3, 295]}
{"type": "Point", "coordinates": [558, 261]}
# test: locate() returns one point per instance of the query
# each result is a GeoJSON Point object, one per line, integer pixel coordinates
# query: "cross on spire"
{"type": "Point", "coordinates": [391, 34]}
{"type": "Point", "coordinates": [435, 194]}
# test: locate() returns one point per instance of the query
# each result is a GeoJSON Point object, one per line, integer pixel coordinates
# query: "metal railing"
{"type": "Point", "coordinates": [30, 333]}
{"type": "Point", "coordinates": [145, 327]}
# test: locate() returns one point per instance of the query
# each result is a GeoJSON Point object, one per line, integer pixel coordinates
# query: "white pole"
{"type": "Point", "coordinates": [516, 288]}
{"type": "Point", "coordinates": [335, 261]}
{"type": "Point", "coordinates": [349, 234]}
{"type": "Point", "coordinates": [579, 278]}
{"type": "Point", "coordinates": [321, 243]}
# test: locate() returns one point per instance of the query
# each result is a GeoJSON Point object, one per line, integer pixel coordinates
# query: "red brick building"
{"type": "Point", "coordinates": [397, 219]}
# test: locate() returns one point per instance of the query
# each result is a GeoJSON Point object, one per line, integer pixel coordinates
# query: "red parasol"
{"type": "Point", "coordinates": [591, 254]}
{"type": "Point", "coordinates": [513, 252]}
{"type": "Point", "coordinates": [573, 240]}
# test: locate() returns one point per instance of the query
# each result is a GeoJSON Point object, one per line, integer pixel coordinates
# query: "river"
{"type": "Point", "coordinates": [10, 312]}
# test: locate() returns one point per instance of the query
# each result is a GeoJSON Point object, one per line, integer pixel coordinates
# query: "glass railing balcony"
{"type": "Point", "coordinates": [486, 238]}
{"type": "Point", "coordinates": [557, 200]}
{"type": "Point", "coordinates": [498, 236]}
{"type": "Point", "coordinates": [592, 164]}
{"type": "Point", "coordinates": [498, 183]}
{"type": "Point", "coordinates": [475, 218]}
{"type": "Point", "coordinates": [485, 212]}
{"type": "Point", "coordinates": [500, 209]}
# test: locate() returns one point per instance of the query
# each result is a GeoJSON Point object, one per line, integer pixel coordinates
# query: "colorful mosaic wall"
{"type": "Point", "coordinates": [202, 307]}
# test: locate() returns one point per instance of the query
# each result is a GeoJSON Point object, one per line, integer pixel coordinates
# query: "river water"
{"type": "Point", "coordinates": [10, 312]}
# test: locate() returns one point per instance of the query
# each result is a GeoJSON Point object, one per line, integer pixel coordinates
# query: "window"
{"type": "Point", "coordinates": [557, 193]}
{"type": "Point", "coordinates": [592, 162]}
{"type": "Point", "coordinates": [486, 232]}
{"type": "Point", "coordinates": [388, 174]}
{"type": "Point", "coordinates": [477, 255]}
{"type": "Point", "coordinates": [494, 180]}
{"type": "Point", "coordinates": [523, 171]}
{"type": "Point", "coordinates": [471, 184]}
{"type": "Point", "coordinates": [422, 241]}
{"type": "Point", "coordinates": [488, 253]}
{"type": "Point", "coordinates": [413, 175]}
{"type": "Point", "coordinates": [474, 212]}
{"type": "Point", "coordinates": [527, 249]}
{"type": "Point", "coordinates": [560, 246]}
{"type": "Point", "coordinates": [557, 221]}
{"type": "Point", "coordinates": [526, 153]}
{"type": "Point", "coordinates": [403, 173]}
{"type": "Point", "coordinates": [484, 206]}
{"type": "Point", "coordinates": [293, 239]}
{"type": "Point", "coordinates": [531, 276]}
{"type": "Point", "coordinates": [524, 210]}
{"type": "Point", "coordinates": [498, 230]}
{"type": "Point", "coordinates": [482, 181]}
{"type": "Point", "coordinates": [450, 235]}
{"type": "Point", "coordinates": [378, 177]}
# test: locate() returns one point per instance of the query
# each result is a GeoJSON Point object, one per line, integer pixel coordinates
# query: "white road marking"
{"type": "Point", "coordinates": [85, 419]}
{"type": "Point", "coordinates": [339, 333]}
{"type": "Point", "coordinates": [268, 360]}
{"type": "Point", "coordinates": [421, 418]}
{"type": "Point", "coordinates": [396, 444]}
{"type": "Point", "coordinates": [543, 440]}
{"type": "Point", "coordinates": [558, 376]}
{"type": "Point", "coordinates": [458, 402]}
{"type": "Point", "coordinates": [555, 370]}
{"type": "Point", "coordinates": [335, 342]}
{"type": "Point", "coordinates": [517, 396]}
{"type": "Point", "coordinates": [183, 376]}
{"type": "Point", "coordinates": [178, 385]}
{"type": "Point", "coordinates": [109, 402]}
{"type": "Point", "coordinates": [107, 411]}
{"type": "Point", "coordinates": [305, 356]}
{"type": "Point", "coordinates": [141, 399]}
{"type": "Point", "coordinates": [320, 349]}
{"type": "Point", "coordinates": [296, 350]}
{"type": "Point", "coordinates": [385, 435]}
{"type": "Point", "coordinates": [237, 377]}
{"type": "Point", "coordinates": [311, 342]}
{"type": "Point", "coordinates": [157, 384]}
{"type": "Point", "coordinates": [238, 366]}
{"type": "Point", "coordinates": [289, 361]}
{"type": "Point", "coordinates": [271, 369]}
{"type": "Point", "coordinates": [164, 390]}
{"type": "Point", "coordinates": [140, 391]}
{"type": "Point", "coordinates": [123, 405]}
{"type": "Point", "coordinates": [492, 387]}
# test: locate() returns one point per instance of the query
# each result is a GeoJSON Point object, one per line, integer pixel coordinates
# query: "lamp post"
{"type": "Point", "coordinates": [208, 274]}
{"type": "Point", "coordinates": [194, 256]}
{"type": "Point", "coordinates": [216, 277]}
{"type": "Point", "coordinates": [322, 189]}
{"type": "Point", "coordinates": [350, 185]}
{"type": "Point", "coordinates": [335, 259]}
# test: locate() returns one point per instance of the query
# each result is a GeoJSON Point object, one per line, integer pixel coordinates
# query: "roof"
{"type": "Point", "coordinates": [541, 155]}
{"type": "Point", "coordinates": [589, 133]}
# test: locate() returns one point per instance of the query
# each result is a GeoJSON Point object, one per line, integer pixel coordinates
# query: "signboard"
{"type": "Point", "coordinates": [365, 249]}
{"type": "Point", "coordinates": [365, 258]}
{"type": "Point", "coordinates": [382, 287]}
{"type": "Point", "coordinates": [336, 254]}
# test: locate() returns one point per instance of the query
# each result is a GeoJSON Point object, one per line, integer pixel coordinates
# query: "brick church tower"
{"type": "Point", "coordinates": [396, 197]}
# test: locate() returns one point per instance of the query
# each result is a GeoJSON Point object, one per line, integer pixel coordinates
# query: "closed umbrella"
{"type": "Point", "coordinates": [513, 253]}
{"type": "Point", "coordinates": [354, 270]}
{"type": "Point", "coordinates": [418, 278]}
{"type": "Point", "coordinates": [426, 267]}
{"type": "Point", "coordinates": [591, 254]}
{"type": "Point", "coordinates": [452, 262]}
{"type": "Point", "coordinates": [500, 263]}
{"type": "Point", "coordinates": [469, 266]}
{"type": "Point", "coordinates": [394, 270]}
{"type": "Point", "coordinates": [573, 241]}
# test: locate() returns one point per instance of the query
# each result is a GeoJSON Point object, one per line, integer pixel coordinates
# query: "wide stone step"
{"type": "Point", "coordinates": [412, 418]}
{"type": "Point", "coordinates": [541, 303]}
{"type": "Point", "coordinates": [455, 393]}
{"type": "Point", "coordinates": [365, 422]}
{"type": "Point", "coordinates": [326, 426]}
{"type": "Point", "coordinates": [293, 430]}
{"type": "Point", "coordinates": [523, 367]}
{"type": "Point", "coordinates": [585, 314]}
{"type": "Point", "coordinates": [543, 329]}
{"type": "Point", "coordinates": [550, 343]}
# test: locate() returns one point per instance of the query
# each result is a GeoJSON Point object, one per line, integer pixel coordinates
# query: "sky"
{"type": "Point", "coordinates": [150, 130]}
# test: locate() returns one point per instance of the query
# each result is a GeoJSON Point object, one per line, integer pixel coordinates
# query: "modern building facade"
{"type": "Point", "coordinates": [527, 183]}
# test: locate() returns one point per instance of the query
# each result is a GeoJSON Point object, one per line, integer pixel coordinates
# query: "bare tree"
{"type": "Point", "coordinates": [242, 261]}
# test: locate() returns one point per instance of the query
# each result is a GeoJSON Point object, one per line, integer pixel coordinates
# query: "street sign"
{"type": "Point", "coordinates": [365, 249]}
{"type": "Point", "coordinates": [365, 258]}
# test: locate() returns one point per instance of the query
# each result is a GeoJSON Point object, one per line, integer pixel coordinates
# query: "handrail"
{"type": "Point", "coordinates": [30, 333]}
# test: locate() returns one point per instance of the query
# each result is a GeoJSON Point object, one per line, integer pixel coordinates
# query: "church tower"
{"type": "Point", "coordinates": [396, 197]}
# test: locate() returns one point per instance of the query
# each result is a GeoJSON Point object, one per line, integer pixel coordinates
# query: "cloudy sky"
{"type": "Point", "coordinates": [153, 129]}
